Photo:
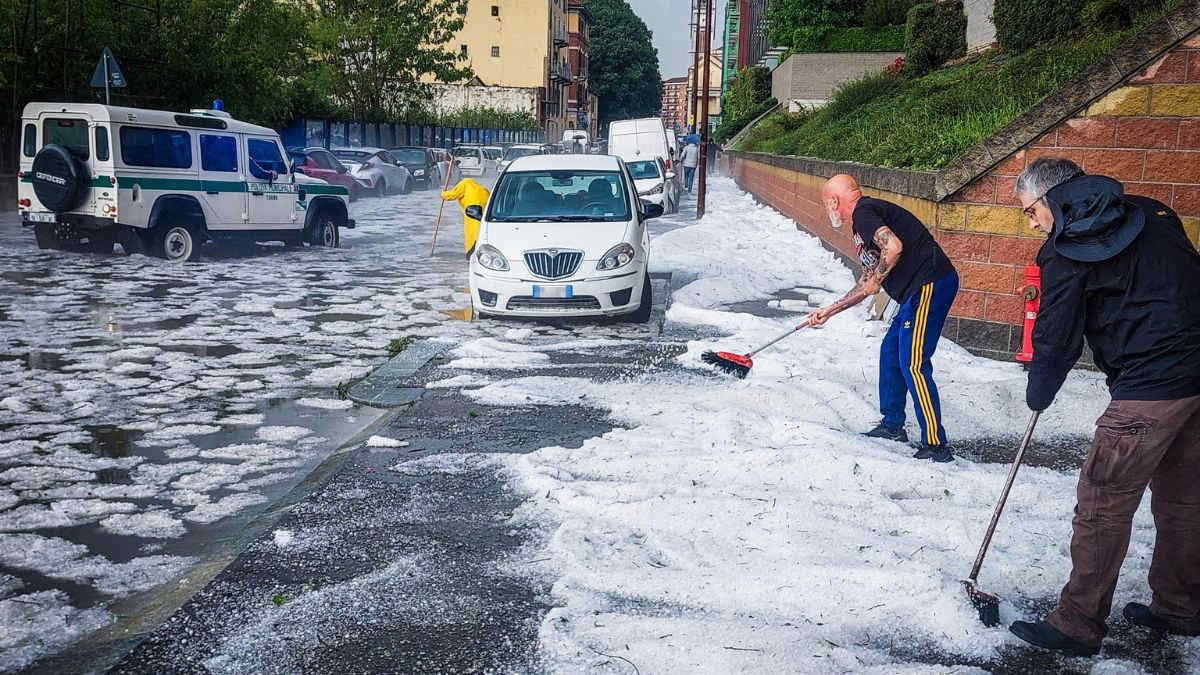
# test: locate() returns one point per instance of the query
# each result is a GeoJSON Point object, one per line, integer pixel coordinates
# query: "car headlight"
{"type": "Point", "coordinates": [491, 258]}
{"type": "Point", "coordinates": [418, 172]}
{"type": "Point", "coordinates": [656, 190]}
{"type": "Point", "coordinates": [617, 256]}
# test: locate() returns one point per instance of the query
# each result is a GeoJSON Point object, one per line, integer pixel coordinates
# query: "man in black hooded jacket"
{"type": "Point", "coordinates": [1120, 271]}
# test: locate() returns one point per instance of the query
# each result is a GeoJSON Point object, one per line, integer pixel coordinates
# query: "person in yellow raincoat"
{"type": "Point", "coordinates": [468, 193]}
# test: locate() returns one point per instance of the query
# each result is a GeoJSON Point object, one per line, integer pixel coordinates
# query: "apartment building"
{"type": "Point", "coordinates": [581, 102]}
{"type": "Point", "coordinates": [675, 104]}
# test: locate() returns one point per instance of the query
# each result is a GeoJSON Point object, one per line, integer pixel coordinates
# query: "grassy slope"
{"type": "Point", "coordinates": [924, 123]}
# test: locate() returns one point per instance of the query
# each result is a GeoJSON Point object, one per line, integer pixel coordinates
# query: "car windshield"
{"type": "Point", "coordinates": [566, 195]}
{"type": "Point", "coordinates": [642, 170]}
{"type": "Point", "coordinates": [352, 155]}
{"type": "Point", "coordinates": [513, 153]}
{"type": "Point", "coordinates": [472, 153]}
{"type": "Point", "coordinates": [409, 155]}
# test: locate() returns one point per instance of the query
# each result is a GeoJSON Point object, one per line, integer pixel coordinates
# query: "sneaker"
{"type": "Point", "coordinates": [888, 433]}
{"type": "Point", "coordinates": [924, 451]}
{"type": "Point", "coordinates": [942, 455]}
{"type": "Point", "coordinates": [1140, 615]}
{"type": "Point", "coordinates": [1042, 634]}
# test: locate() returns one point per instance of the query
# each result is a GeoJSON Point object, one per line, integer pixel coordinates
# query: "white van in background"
{"type": "Point", "coordinates": [643, 140]}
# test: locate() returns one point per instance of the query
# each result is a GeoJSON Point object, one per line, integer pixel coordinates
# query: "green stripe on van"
{"type": "Point", "coordinates": [193, 185]}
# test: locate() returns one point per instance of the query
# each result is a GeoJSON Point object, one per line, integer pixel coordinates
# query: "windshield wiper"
{"type": "Point", "coordinates": [574, 219]}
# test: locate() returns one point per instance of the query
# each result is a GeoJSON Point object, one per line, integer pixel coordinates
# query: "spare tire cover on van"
{"type": "Point", "coordinates": [59, 180]}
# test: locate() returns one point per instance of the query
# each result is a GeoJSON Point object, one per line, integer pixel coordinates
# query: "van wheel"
{"type": "Point", "coordinates": [47, 236]}
{"type": "Point", "coordinates": [642, 313]}
{"type": "Point", "coordinates": [325, 232]}
{"type": "Point", "coordinates": [176, 243]}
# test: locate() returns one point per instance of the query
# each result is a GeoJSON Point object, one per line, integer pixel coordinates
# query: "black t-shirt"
{"type": "Point", "coordinates": [921, 260]}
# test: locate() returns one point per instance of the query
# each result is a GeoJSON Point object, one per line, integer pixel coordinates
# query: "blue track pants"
{"type": "Point", "coordinates": [904, 358]}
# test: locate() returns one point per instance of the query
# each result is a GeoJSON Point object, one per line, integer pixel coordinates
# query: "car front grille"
{"type": "Point", "coordinates": [553, 263]}
{"type": "Point", "coordinates": [529, 303]}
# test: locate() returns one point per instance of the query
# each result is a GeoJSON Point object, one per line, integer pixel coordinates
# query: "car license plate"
{"type": "Point", "coordinates": [35, 217]}
{"type": "Point", "coordinates": [554, 291]}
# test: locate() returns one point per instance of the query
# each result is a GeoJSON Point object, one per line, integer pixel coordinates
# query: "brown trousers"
{"type": "Point", "coordinates": [1137, 443]}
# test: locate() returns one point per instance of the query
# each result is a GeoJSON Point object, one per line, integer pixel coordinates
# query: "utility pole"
{"type": "Point", "coordinates": [703, 122]}
{"type": "Point", "coordinates": [693, 116]}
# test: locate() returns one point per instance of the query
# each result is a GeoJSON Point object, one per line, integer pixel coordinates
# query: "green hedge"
{"type": "Point", "coordinates": [935, 34]}
{"type": "Point", "coordinates": [881, 13]}
{"type": "Point", "coordinates": [747, 90]}
{"type": "Point", "coordinates": [853, 39]}
{"type": "Point", "coordinates": [1021, 24]}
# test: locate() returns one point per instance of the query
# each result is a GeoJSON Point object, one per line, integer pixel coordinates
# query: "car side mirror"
{"type": "Point", "coordinates": [475, 212]}
{"type": "Point", "coordinates": [670, 175]}
{"type": "Point", "coordinates": [652, 210]}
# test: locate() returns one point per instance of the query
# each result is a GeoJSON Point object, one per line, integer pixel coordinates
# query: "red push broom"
{"type": "Point", "coordinates": [740, 364]}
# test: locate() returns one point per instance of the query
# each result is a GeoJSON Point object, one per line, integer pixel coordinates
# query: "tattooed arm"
{"type": "Point", "coordinates": [872, 279]}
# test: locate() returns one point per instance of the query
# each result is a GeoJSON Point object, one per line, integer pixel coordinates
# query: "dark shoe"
{"type": "Point", "coordinates": [924, 451]}
{"type": "Point", "coordinates": [1042, 634]}
{"type": "Point", "coordinates": [942, 455]}
{"type": "Point", "coordinates": [889, 433]}
{"type": "Point", "coordinates": [1140, 615]}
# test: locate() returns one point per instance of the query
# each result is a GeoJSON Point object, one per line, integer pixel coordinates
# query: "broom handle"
{"type": "Point", "coordinates": [1012, 476]}
{"type": "Point", "coordinates": [438, 224]}
{"type": "Point", "coordinates": [839, 306]}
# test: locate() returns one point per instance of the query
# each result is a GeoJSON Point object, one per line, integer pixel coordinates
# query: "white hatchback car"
{"type": "Point", "coordinates": [655, 183]}
{"type": "Point", "coordinates": [376, 170]}
{"type": "Point", "coordinates": [563, 235]}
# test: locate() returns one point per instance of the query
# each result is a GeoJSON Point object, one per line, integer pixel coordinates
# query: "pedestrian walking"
{"type": "Point", "coordinates": [1119, 271]}
{"type": "Point", "coordinates": [468, 193]}
{"type": "Point", "coordinates": [691, 159]}
{"type": "Point", "coordinates": [899, 255]}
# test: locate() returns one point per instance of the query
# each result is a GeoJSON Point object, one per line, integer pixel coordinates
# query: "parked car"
{"type": "Point", "coordinates": [640, 139]}
{"type": "Point", "coordinates": [421, 163]}
{"type": "Point", "coordinates": [471, 160]}
{"type": "Point", "coordinates": [317, 162]}
{"type": "Point", "coordinates": [563, 235]}
{"type": "Point", "coordinates": [164, 182]}
{"type": "Point", "coordinates": [494, 154]}
{"type": "Point", "coordinates": [655, 183]}
{"type": "Point", "coordinates": [523, 150]}
{"type": "Point", "coordinates": [375, 168]}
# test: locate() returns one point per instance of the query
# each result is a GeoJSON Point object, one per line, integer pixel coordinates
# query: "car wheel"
{"type": "Point", "coordinates": [176, 243]}
{"type": "Point", "coordinates": [407, 187]}
{"type": "Point", "coordinates": [47, 236]}
{"type": "Point", "coordinates": [642, 313]}
{"type": "Point", "coordinates": [381, 188]}
{"type": "Point", "coordinates": [325, 232]}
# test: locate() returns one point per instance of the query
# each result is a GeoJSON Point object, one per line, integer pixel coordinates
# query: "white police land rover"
{"type": "Point", "coordinates": [164, 182]}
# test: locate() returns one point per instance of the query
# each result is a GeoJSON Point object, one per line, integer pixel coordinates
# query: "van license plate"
{"type": "Point", "coordinates": [34, 217]}
{"type": "Point", "coordinates": [553, 291]}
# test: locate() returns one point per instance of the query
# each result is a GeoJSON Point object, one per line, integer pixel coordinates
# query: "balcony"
{"type": "Point", "coordinates": [560, 38]}
{"type": "Point", "coordinates": [561, 73]}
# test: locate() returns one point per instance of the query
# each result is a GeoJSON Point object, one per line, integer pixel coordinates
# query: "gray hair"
{"type": "Point", "coordinates": [1044, 174]}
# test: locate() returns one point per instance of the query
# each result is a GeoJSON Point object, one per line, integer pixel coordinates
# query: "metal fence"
{"type": "Point", "coordinates": [330, 133]}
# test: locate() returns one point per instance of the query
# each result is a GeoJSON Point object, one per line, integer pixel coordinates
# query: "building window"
{"type": "Point", "coordinates": [462, 51]}
{"type": "Point", "coordinates": [495, 10]}
{"type": "Point", "coordinates": [495, 52]}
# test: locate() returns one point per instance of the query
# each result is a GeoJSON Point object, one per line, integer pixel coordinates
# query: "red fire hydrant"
{"type": "Point", "coordinates": [1032, 292]}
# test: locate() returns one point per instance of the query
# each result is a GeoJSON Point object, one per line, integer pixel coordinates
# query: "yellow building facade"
{"type": "Point", "coordinates": [520, 43]}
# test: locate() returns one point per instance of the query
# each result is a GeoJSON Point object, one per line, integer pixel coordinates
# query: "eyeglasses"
{"type": "Point", "coordinates": [1028, 210]}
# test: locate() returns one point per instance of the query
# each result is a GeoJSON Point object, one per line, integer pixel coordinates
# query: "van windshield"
{"type": "Point", "coordinates": [409, 155]}
{"type": "Point", "coordinates": [72, 134]}
{"type": "Point", "coordinates": [559, 196]}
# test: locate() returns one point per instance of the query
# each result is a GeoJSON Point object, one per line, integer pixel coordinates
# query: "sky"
{"type": "Point", "coordinates": [668, 20]}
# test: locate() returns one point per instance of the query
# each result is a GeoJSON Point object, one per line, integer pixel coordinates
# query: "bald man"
{"type": "Point", "coordinates": [898, 254]}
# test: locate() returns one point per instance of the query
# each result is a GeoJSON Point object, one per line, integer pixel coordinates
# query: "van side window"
{"type": "Point", "coordinates": [265, 157]}
{"type": "Point", "coordinates": [102, 144]}
{"type": "Point", "coordinates": [218, 153]}
{"type": "Point", "coordinates": [72, 134]}
{"type": "Point", "coordinates": [30, 140]}
{"type": "Point", "coordinates": [160, 148]}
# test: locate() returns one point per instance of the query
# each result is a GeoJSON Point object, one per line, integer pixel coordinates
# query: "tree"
{"type": "Point", "coordinates": [371, 54]}
{"type": "Point", "coordinates": [624, 63]}
{"type": "Point", "coordinates": [811, 17]}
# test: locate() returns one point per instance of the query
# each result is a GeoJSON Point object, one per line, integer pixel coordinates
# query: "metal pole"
{"type": "Point", "coordinates": [703, 122]}
{"type": "Point", "coordinates": [104, 58]}
{"type": "Point", "coordinates": [693, 107]}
